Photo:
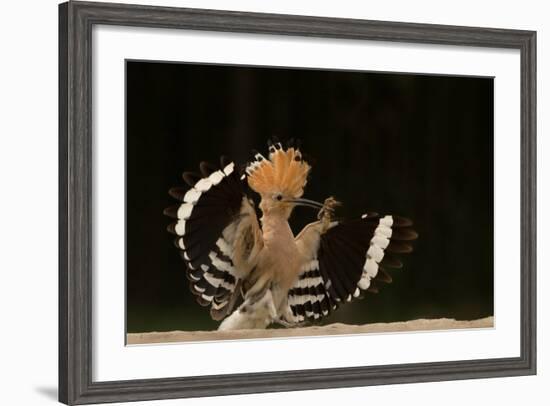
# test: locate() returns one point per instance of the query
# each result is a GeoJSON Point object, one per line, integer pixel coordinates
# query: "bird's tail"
{"type": "Point", "coordinates": [257, 315]}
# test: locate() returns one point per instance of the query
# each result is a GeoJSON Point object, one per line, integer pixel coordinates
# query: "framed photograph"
{"type": "Point", "coordinates": [258, 202]}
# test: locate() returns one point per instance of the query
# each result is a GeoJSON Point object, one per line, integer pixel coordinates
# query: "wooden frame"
{"type": "Point", "coordinates": [75, 179]}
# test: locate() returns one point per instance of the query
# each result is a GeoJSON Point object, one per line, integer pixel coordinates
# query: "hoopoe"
{"type": "Point", "coordinates": [259, 268]}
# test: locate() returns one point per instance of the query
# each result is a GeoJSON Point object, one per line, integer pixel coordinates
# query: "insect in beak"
{"type": "Point", "coordinates": [305, 202]}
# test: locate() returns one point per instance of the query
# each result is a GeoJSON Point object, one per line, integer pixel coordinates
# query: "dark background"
{"type": "Point", "coordinates": [413, 145]}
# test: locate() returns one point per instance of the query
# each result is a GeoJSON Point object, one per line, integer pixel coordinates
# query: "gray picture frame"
{"type": "Point", "coordinates": [76, 20]}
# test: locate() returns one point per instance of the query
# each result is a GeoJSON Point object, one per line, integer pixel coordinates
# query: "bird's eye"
{"type": "Point", "coordinates": [279, 197]}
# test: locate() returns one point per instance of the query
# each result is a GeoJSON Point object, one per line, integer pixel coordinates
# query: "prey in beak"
{"type": "Point", "coordinates": [326, 209]}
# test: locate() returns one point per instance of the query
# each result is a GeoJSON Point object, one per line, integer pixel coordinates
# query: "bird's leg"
{"type": "Point", "coordinates": [284, 323]}
{"type": "Point", "coordinates": [288, 324]}
{"type": "Point", "coordinates": [326, 213]}
{"type": "Point", "coordinates": [285, 319]}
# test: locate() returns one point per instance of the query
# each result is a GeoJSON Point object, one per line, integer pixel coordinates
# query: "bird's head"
{"type": "Point", "coordinates": [280, 179]}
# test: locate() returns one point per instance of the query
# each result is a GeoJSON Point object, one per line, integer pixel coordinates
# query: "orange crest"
{"type": "Point", "coordinates": [284, 172]}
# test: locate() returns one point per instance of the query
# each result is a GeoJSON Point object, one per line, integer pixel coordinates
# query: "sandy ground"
{"type": "Point", "coordinates": [331, 329]}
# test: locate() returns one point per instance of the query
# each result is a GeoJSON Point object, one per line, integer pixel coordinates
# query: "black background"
{"type": "Point", "coordinates": [413, 145]}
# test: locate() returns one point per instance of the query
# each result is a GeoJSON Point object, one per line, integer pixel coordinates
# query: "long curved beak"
{"type": "Point", "coordinates": [305, 202]}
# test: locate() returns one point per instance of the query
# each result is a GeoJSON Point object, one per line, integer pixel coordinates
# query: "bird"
{"type": "Point", "coordinates": [247, 265]}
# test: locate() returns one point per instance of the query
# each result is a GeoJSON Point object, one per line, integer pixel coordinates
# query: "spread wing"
{"type": "Point", "coordinates": [343, 259]}
{"type": "Point", "coordinates": [217, 233]}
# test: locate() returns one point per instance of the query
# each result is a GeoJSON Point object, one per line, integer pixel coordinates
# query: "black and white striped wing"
{"type": "Point", "coordinates": [347, 258]}
{"type": "Point", "coordinates": [218, 235]}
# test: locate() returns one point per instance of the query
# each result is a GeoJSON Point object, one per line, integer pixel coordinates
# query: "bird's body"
{"type": "Point", "coordinates": [276, 270]}
{"type": "Point", "coordinates": [259, 268]}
